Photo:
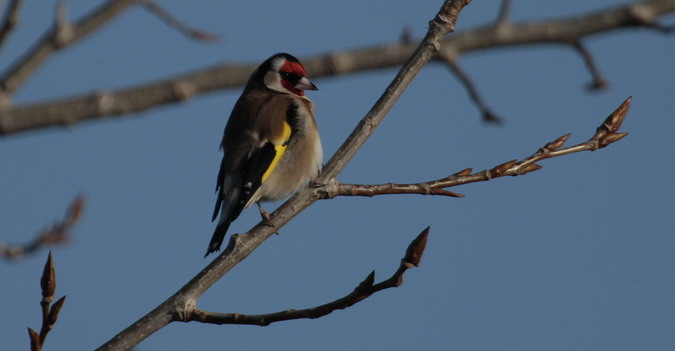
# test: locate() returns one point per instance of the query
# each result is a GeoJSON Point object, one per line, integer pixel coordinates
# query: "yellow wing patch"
{"type": "Point", "coordinates": [279, 149]}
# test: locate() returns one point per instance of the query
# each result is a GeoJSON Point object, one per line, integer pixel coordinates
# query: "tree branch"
{"type": "Point", "coordinates": [240, 246]}
{"type": "Point", "coordinates": [107, 104]}
{"type": "Point", "coordinates": [58, 233]}
{"type": "Point", "coordinates": [606, 134]}
{"type": "Point", "coordinates": [365, 289]}
{"type": "Point", "coordinates": [50, 312]}
{"type": "Point", "coordinates": [10, 20]}
{"type": "Point", "coordinates": [597, 82]}
{"type": "Point", "coordinates": [503, 15]}
{"type": "Point", "coordinates": [177, 24]}
{"type": "Point", "coordinates": [487, 114]}
{"type": "Point", "coordinates": [62, 35]}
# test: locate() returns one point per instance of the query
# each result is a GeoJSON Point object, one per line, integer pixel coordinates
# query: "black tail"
{"type": "Point", "coordinates": [218, 236]}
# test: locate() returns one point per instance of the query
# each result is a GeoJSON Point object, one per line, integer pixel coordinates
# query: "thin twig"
{"type": "Point", "coordinates": [503, 15]}
{"type": "Point", "coordinates": [365, 289]}
{"type": "Point", "coordinates": [50, 312]}
{"type": "Point", "coordinates": [486, 113]}
{"type": "Point", "coordinates": [58, 234]}
{"type": "Point", "coordinates": [175, 23]}
{"type": "Point", "coordinates": [10, 20]}
{"type": "Point", "coordinates": [606, 134]}
{"type": "Point", "coordinates": [597, 82]}
{"type": "Point", "coordinates": [54, 40]}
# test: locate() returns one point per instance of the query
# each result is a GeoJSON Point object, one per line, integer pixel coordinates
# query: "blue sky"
{"type": "Point", "coordinates": [578, 255]}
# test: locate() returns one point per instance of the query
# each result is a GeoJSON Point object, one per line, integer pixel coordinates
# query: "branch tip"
{"type": "Point", "coordinates": [446, 193]}
{"type": "Point", "coordinates": [178, 25]}
{"type": "Point", "coordinates": [614, 137]}
{"type": "Point", "coordinates": [48, 280]}
{"type": "Point", "coordinates": [367, 283]}
{"type": "Point", "coordinates": [406, 35]}
{"type": "Point", "coordinates": [34, 339]}
{"type": "Point", "coordinates": [64, 30]}
{"type": "Point", "coordinates": [606, 133]}
{"type": "Point", "coordinates": [415, 250]}
{"type": "Point", "coordinates": [491, 117]}
{"type": "Point", "coordinates": [75, 210]}
{"type": "Point", "coordinates": [54, 311]}
{"type": "Point", "coordinates": [463, 173]}
{"type": "Point", "coordinates": [558, 143]}
{"type": "Point", "coordinates": [530, 168]}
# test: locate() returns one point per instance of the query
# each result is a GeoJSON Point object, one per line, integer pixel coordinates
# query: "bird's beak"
{"type": "Point", "coordinates": [305, 84]}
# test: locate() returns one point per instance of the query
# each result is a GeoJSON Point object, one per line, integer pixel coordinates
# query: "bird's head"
{"type": "Point", "coordinates": [285, 74]}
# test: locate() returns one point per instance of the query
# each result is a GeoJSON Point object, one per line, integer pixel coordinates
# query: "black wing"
{"type": "Point", "coordinates": [240, 192]}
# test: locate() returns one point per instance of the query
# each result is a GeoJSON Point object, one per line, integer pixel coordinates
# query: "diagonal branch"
{"type": "Point", "coordinates": [58, 233]}
{"type": "Point", "coordinates": [486, 112]}
{"type": "Point", "coordinates": [597, 82]}
{"type": "Point", "coordinates": [606, 134]}
{"type": "Point", "coordinates": [10, 20]}
{"type": "Point", "coordinates": [240, 246]}
{"type": "Point", "coordinates": [107, 104]}
{"type": "Point", "coordinates": [61, 35]}
{"type": "Point", "coordinates": [178, 25]}
{"type": "Point", "coordinates": [365, 289]}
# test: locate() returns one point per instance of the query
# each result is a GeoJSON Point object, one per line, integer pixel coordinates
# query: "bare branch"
{"type": "Point", "coordinates": [503, 16]}
{"type": "Point", "coordinates": [58, 233]}
{"type": "Point", "coordinates": [598, 82]}
{"type": "Point", "coordinates": [487, 114]}
{"type": "Point", "coordinates": [107, 104]}
{"type": "Point", "coordinates": [606, 134]}
{"type": "Point", "coordinates": [49, 312]}
{"type": "Point", "coordinates": [178, 25]}
{"type": "Point", "coordinates": [240, 246]}
{"type": "Point", "coordinates": [57, 39]}
{"type": "Point", "coordinates": [424, 188]}
{"type": "Point", "coordinates": [365, 289]}
{"type": "Point", "coordinates": [10, 20]}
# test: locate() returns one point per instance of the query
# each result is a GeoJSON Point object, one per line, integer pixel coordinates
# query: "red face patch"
{"type": "Point", "coordinates": [293, 67]}
{"type": "Point", "coordinates": [297, 70]}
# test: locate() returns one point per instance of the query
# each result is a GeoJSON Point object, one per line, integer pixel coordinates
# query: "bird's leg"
{"type": "Point", "coordinates": [265, 216]}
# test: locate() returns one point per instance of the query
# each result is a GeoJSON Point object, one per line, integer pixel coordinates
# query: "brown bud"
{"type": "Point", "coordinates": [463, 173]}
{"type": "Point", "coordinates": [445, 193]}
{"type": "Point", "coordinates": [415, 250]}
{"type": "Point", "coordinates": [558, 143]}
{"type": "Point", "coordinates": [366, 283]}
{"type": "Point", "coordinates": [610, 138]}
{"type": "Point", "coordinates": [619, 115]}
{"type": "Point", "coordinates": [531, 168]}
{"type": "Point", "coordinates": [613, 122]}
{"type": "Point", "coordinates": [54, 311]}
{"type": "Point", "coordinates": [48, 280]}
{"type": "Point", "coordinates": [34, 339]}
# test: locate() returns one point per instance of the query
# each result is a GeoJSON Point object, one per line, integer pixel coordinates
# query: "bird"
{"type": "Point", "coordinates": [271, 143]}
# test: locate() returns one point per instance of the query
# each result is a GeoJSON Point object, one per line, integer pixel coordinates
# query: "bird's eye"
{"type": "Point", "coordinates": [287, 75]}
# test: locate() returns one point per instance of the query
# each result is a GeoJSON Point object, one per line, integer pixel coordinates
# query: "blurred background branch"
{"type": "Point", "coordinates": [58, 233]}
{"type": "Point", "coordinates": [133, 99]}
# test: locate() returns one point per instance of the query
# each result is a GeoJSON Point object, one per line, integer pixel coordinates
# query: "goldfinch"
{"type": "Point", "coordinates": [271, 144]}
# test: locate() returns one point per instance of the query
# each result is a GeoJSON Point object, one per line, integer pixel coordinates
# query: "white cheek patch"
{"type": "Point", "coordinates": [273, 82]}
